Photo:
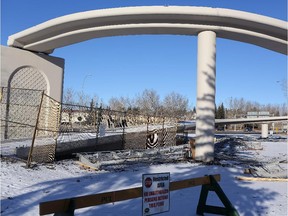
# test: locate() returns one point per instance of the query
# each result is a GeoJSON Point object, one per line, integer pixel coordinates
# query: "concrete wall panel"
{"type": "Point", "coordinates": [52, 68]}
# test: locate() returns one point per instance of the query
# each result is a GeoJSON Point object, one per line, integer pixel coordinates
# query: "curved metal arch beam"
{"type": "Point", "coordinates": [209, 17]}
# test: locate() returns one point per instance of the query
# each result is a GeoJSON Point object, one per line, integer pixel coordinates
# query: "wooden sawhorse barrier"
{"type": "Point", "coordinates": [66, 207]}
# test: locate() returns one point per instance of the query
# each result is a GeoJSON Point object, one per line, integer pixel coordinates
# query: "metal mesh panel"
{"type": "Point", "coordinates": [77, 123]}
{"type": "Point", "coordinates": [113, 120]}
{"type": "Point", "coordinates": [161, 132]}
{"type": "Point", "coordinates": [168, 132]}
{"type": "Point", "coordinates": [32, 114]}
{"type": "Point", "coordinates": [19, 109]}
{"type": "Point", "coordinates": [43, 147]}
{"type": "Point", "coordinates": [92, 129]}
{"type": "Point", "coordinates": [20, 103]}
{"type": "Point", "coordinates": [136, 135]}
{"type": "Point", "coordinates": [150, 132]}
{"type": "Point", "coordinates": [28, 78]}
{"type": "Point", "coordinates": [49, 118]}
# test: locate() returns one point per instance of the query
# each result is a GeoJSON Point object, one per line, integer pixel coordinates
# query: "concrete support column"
{"type": "Point", "coordinates": [264, 131]}
{"type": "Point", "coordinates": [205, 108]}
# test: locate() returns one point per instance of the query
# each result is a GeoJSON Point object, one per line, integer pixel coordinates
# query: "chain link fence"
{"type": "Point", "coordinates": [44, 141]}
{"type": "Point", "coordinates": [30, 117]}
{"type": "Point", "coordinates": [56, 129]}
{"type": "Point", "coordinates": [120, 130]}
{"type": "Point", "coordinates": [19, 108]}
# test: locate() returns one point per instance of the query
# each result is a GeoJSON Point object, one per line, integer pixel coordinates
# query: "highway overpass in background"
{"type": "Point", "coordinates": [191, 124]}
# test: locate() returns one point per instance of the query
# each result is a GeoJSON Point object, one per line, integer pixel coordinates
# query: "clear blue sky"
{"type": "Point", "coordinates": [126, 65]}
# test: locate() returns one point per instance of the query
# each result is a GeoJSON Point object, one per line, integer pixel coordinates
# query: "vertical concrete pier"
{"type": "Point", "coordinates": [264, 131]}
{"type": "Point", "coordinates": [206, 74]}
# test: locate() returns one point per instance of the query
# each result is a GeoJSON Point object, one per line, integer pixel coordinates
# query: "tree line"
{"type": "Point", "coordinates": [238, 107]}
{"type": "Point", "coordinates": [147, 102]}
{"type": "Point", "coordinates": [173, 105]}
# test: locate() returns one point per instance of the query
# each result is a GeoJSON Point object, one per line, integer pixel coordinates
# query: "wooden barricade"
{"type": "Point", "coordinates": [67, 206]}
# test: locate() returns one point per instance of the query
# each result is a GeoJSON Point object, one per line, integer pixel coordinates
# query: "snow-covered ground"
{"type": "Point", "coordinates": [23, 189]}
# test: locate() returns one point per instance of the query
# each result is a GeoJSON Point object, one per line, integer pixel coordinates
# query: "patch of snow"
{"type": "Point", "coordinates": [23, 189]}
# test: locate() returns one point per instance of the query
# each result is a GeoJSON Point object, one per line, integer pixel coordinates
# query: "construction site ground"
{"type": "Point", "coordinates": [253, 176]}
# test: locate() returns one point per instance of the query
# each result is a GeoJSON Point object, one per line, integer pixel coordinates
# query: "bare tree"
{"type": "Point", "coordinates": [120, 104]}
{"type": "Point", "coordinates": [116, 104]}
{"type": "Point", "coordinates": [131, 103]}
{"type": "Point", "coordinates": [240, 107]}
{"type": "Point", "coordinates": [235, 107]}
{"type": "Point", "coordinates": [149, 102]}
{"type": "Point", "coordinates": [68, 96]}
{"type": "Point", "coordinates": [96, 100]}
{"type": "Point", "coordinates": [83, 99]}
{"type": "Point", "coordinates": [175, 105]}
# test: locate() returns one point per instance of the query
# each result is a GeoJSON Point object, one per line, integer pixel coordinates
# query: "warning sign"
{"type": "Point", "coordinates": [156, 194]}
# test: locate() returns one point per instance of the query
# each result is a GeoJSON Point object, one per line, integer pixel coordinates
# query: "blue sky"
{"type": "Point", "coordinates": [126, 65]}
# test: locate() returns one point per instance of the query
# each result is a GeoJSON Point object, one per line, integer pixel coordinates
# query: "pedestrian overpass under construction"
{"type": "Point", "coordinates": [29, 49]}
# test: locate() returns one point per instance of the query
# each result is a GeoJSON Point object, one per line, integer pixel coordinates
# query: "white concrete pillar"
{"type": "Point", "coordinates": [205, 109]}
{"type": "Point", "coordinates": [264, 131]}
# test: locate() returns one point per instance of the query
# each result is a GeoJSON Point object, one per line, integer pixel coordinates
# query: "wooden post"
{"type": "Point", "coordinates": [192, 147]}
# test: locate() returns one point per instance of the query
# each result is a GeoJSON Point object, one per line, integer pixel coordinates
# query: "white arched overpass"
{"type": "Point", "coordinates": [206, 23]}
{"type": "Point", "coordinates": [251, 28]}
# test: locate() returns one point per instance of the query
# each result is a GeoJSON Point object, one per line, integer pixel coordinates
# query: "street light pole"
{"type": "Point", "coordinates": [85, 80]}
